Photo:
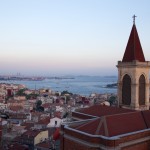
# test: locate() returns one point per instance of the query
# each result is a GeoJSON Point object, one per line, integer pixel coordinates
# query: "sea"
{"type": "Point", "coordinates": [83, 85]}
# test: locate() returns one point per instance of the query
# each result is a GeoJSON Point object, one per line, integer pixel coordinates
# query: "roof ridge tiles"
{"type": "Point", "coordinates": [120, 114]}
{"type": "Point", "coordinates": [86, 123]}
{"type": "Point", "coordinates": [104, 124]}
{"type": "Point", "coordinates": [99, 125]}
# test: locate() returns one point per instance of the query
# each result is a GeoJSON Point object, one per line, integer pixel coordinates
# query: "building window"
{"type": "Point", "coordinates": [142, 90]}
{"type": "Point", "coordinates": [126, 90]}
{"type": "Point", "coordinates": [55, 123]}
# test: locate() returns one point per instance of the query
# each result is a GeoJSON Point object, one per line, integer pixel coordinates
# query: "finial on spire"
{"type": "Point", "coordinates": [134, 18]}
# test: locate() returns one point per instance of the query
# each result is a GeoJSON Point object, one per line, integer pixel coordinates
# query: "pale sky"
{"type": "Point", "coordinates": [69, 37]}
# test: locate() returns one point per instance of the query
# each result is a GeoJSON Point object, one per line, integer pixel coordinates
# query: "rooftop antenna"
{"type": "Point", "coordinates": [134, 18]}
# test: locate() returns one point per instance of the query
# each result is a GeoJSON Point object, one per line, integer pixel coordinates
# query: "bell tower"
{"type": "Point", "coordinates": [133, 75]}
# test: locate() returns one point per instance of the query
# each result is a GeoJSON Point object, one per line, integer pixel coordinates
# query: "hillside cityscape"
{"type": "Point", "coordinates": [39, 114]}
{"type": "Point", "coordinates": [74, 75]}
{"type": "Point", "coordinates": [42, 119]}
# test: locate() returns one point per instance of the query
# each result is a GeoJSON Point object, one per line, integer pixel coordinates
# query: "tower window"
{"type": "Point", "coordinates": [126, 90]}
{"type": "Point", "coordinates": [142, 90]}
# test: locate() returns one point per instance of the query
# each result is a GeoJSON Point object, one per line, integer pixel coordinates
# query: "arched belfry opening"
{"type": "Point", "coordinates": [126, 90]}
{"type": "Point", "coordinates": [142, 90]}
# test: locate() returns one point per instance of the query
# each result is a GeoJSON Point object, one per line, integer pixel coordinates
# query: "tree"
{"type": "Point", "coordinates": [28, 96]}
{"type": "Point", "coordinates": [40, 108]}
{"type": "Point", "coordinates": [112, 99]}
{"type": "Point", "coordinates": [65, 115]}
{"type": "Point", "coordinates": [21, 92]}
{"type": "Point", "coordinates": [38, 104]}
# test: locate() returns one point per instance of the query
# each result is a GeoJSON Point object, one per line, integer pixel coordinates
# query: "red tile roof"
{"type": "Point", "coordinates": [27, 125]}
{"type": "Point", "coordinates": [113, 125]}
{"type": "Point", "coordinates": [134, 49]}
{"type": "Point", "coordinates": [47, 105]}
{"type": "Point", "coordinates": [45, 121]}
{"type": "Point", "coordinates": [17, 116]}
{"type": "Point", "coordinates": [36, 114]}
{"type": "Point", "coordinates": [125, 123]}
{"type": "Point", "coordinates": [58, 114]}
{"type": "Point", "coordinates": [16, 108]}
{"type": "Point", "coordinates": [31, 133]}
{"type": "Point", "coordinates": [17, 146]}
{"type": "Point", "coordinates": [146, 116]}
{"type": "Point", "coordinates": [45, 144]}
{"type": "Point", "coordinates": [100, 110]}
{"type": "Point", "coordinates": [89, 127]}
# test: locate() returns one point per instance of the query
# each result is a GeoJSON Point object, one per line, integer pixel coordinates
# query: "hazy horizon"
{"type": "Point", "coordinates": [56, 75]}
{"type": "Point", "coordinates": [69, 37]}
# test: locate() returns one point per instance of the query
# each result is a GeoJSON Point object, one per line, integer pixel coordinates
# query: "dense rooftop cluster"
{"type": "Point", "coordinates": [32, 118]}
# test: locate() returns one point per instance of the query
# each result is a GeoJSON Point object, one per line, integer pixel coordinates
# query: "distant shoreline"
{"type": "Point", "coordinates": [16, 78]}
{"type": "Point", "coordinates": [74, 84]}
{"type": "Point", "coordinates": [113, 85]}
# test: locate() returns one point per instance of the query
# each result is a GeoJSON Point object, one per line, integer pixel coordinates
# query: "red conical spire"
{"type": "Point", "coordinates": [133, 50]}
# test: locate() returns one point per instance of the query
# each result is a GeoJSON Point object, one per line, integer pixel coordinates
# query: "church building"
{"type": "Point", "coordinates": [126, 127]}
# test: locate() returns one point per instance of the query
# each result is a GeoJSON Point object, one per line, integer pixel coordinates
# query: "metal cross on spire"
{"type": "Point", "coordinates": [134, 18]}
